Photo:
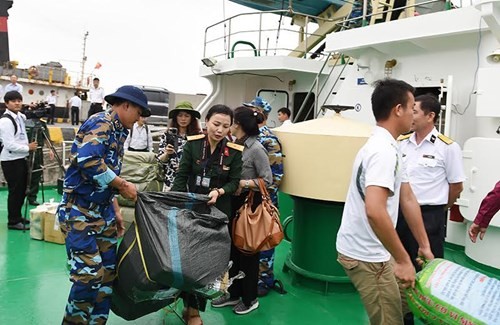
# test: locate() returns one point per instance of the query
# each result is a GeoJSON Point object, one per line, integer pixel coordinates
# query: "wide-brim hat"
{"type": "Point", "coordinates": [132, 94]}
{"type": "Point", "coordinates": [260, 103]}
{"type": "Point", "coordinates": [186, 107]}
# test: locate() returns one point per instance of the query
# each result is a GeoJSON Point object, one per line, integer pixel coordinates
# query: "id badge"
{"type": "Point", "coordinates": [198, 180]}
{"type": "Point", "coordinates": [205, 182]}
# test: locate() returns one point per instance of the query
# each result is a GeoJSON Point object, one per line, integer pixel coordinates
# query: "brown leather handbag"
{"type": "Point", "coordinates": [259, 230]}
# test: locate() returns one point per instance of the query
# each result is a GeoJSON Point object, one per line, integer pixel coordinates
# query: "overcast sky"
{"type": "Point", "coordinates": [145, 42]}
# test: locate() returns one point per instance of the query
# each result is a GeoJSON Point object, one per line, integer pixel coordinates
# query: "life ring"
{"type": "Point", "coordinates": [33, 71]}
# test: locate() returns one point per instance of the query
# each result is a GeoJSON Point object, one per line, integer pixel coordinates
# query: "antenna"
{"type": "Point", "coordinates": [84, 57]}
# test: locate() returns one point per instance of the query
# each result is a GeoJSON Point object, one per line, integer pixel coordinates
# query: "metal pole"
{"type": "Point", "coordinates": [84, 57]}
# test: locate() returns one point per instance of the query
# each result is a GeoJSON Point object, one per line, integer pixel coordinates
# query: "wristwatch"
{"type": "Point", "coordinates": [247, 184]}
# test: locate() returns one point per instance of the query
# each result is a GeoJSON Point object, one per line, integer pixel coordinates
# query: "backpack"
{"type": "Point", "coordinates": [5, 115]}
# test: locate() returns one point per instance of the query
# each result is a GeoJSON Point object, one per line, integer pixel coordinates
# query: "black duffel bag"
{"type": "Point", "coordinates": [184, 242]}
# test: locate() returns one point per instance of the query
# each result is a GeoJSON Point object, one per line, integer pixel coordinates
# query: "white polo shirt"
{"type": "Point", "coordinates": [431, 166]}
{"type": "Point", "coordinates": [378, 163]}
{"type": "Point", "coordinates": [75, 101]}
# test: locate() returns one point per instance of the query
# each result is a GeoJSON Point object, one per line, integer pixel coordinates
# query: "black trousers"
{"type": "Point", "coordinates": [15, 172]}
{"type": "Point", "coordinates": [75, 115]}
{"type": "Point", "coordinates": [434, 217]}
{"type": "Point", "coordinates": [52, 111]}
{"type": "Point", "coordinates": [36, 175]}
{"type": "Point", "coordinates": [245, 288]}
{"type": "Point", "coordinates": [94, 108]}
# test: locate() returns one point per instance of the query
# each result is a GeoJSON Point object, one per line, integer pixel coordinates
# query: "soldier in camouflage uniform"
{"type": "Point", "coordinates": [273, 147]}
{"type": "Point", "coordinates": [89, 213]}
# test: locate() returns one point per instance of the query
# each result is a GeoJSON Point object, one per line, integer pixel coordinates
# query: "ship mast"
{"type": "Point", "coordinates": [84, 58]}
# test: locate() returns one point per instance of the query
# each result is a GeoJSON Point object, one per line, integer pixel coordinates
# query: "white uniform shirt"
{"type": "Point", "coordinates": [11, 87]}
{"type": "Point", "coordinates": [96, 95]}
{"type": "Point", "coordinates": [378, 163]}
{"type": "Point", "coordinates": [14, 146]}
{"type": "Point", "coordinates": [432, 166]}
{"type": "Point", "coordinates": [140, 138]}
{"type": "Point", "coordinates": [75, 101]}
{"type": "Point", "coordinates": [286, 122]}
{"type": "Point", "coordinates": [51, 99]}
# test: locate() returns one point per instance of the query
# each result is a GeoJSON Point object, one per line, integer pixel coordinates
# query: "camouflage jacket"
{"type": "Point", "coordinates": [96, 158]}
{"type": "Point", "coordinates": [273, 147]}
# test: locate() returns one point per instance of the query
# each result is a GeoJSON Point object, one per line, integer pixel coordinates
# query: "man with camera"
{"type": "Point", "coordinates": [15, 150]}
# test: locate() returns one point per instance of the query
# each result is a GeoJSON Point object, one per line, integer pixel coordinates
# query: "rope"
{"type": "Point", "coordinates": [279, 26]}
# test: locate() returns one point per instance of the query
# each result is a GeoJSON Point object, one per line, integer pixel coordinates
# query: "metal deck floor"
{"type": "Point", "coordinates": [34, 286]}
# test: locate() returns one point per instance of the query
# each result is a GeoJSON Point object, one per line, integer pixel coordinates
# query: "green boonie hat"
{"type": "Point", "coordinates": [186, 107]}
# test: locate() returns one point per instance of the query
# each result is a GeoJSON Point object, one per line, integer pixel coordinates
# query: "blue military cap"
{"type": "Point", "coordinates": [259, 102]}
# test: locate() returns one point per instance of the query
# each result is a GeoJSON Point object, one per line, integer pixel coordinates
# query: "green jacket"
{"type": "Point", "coordinates": [226, 176]}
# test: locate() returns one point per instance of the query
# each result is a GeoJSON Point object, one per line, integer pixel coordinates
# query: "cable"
{"type": "Point", "coordinates": [247, 73]}
{"type": "Point", "coordinates": [279, 26]}
{"type": "Point", "coordinates": [475, 73]}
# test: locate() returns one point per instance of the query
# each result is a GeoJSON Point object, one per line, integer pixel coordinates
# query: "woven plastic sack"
{"type": "Point", "coordinates": [448, 293]}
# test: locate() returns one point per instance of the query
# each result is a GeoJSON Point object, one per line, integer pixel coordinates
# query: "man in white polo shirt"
{"type": "Point", "coordinates": [367, 239]}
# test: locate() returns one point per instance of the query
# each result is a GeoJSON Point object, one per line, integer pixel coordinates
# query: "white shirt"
{"type": "Point", "coordinates": [432, 165]}
{"type": "Point", "coordinates": [75, 101]}
{"type": "Point", "coordinates": [140, 138]}
{"type": "Point", "coordinates": [378, 163]}
{"type": "Point", "coordinates": [287, 122]}
{"type": "Point", "coordinates": [96, 95]}
{"type": "Point", "coordinates": [51, 99]}
{"type": "Point", "coordinates": [14, 146]}
{"type": "Point", "coordinates": [11, 87]}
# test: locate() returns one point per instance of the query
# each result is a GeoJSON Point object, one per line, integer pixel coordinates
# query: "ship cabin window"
{"type": "Point", "coordinates": [277, 99]}
{"type": "Point", "coordinates": [308, 111]}
{"type": "Point", "coordinates": [441, 96]}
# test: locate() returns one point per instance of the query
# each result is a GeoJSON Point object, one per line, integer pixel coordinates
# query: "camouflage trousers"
{"type": "Point", "coordinates": [90, 232]}
{"type": "Point", "coordinates": [266, 269]}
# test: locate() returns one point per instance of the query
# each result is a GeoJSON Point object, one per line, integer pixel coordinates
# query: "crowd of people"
{"type": "Point", "coordinates": [394, 216]}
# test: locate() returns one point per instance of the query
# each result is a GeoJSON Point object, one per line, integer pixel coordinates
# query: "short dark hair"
{"type": "Point", "coordinates": [12, 95]}
{"type": "Point", "coordinates": [387, 94]}
{"type": "Point", "coordinates": [219, 109]}
{"type": "Point", "coordinates": [285, 110]}
{"type": "Point", "coordinates": [95, 79]}
{"type": "Point", "coordinates": [429, 103]}
{"type": "Point", "coordinates": [248, 119]}
{"type": "Point", "coordinates": [52, 91]}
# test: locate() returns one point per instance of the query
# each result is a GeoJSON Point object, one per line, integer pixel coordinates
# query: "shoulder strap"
{"type": "Point", "coordinates": [147, 135]}
{"type": "Point", "coordinates": [132, 132]}
{"type": "Point", "coordinates": [405, 136]}
{"type": "Point", "coordinates": [445, 139]}
{"type": "Point", "coordinates": [5, 115]}
{"type": "Point", "coordinates": [235, 146]}
{"type": "Point", "coordinates": [195, 137]}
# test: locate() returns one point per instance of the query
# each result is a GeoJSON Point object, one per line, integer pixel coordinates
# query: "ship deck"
{"type": "Point", "coordinates": [34, 286]}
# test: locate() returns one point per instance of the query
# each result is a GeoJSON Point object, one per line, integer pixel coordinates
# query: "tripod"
{"type": "Point", "coordinates": [37, 130]}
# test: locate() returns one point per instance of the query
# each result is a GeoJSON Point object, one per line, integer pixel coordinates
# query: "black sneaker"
{"type": "Point", "coordinates": [18, 226]}
{"type": "Point", "coordinates": [33, 202]}
{"type": "Point", "coordinates": [242, 309]}
{"type": "Point", "coordinates": [225, 300]}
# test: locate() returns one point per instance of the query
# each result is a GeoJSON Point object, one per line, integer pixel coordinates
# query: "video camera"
{"type": "Point", "coordinates": [36, 110]}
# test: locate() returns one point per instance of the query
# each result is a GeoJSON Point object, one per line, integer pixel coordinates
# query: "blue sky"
{"type": "Point", "coordinates": [147, 42]}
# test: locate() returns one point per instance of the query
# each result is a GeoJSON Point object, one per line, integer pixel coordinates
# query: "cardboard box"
{"type": "Point", "coordinates": [37, 224]}
{"type": "Point", "coordinates": [52, 232]}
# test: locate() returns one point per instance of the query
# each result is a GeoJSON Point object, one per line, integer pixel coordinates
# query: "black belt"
{"type": "Point", "coordinates": [140, 150]}
{"type": "Point", "coordinates": [432, 207]}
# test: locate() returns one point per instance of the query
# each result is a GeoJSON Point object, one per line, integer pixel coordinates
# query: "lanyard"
{"type": "Point", "coordinates": [209, 160]}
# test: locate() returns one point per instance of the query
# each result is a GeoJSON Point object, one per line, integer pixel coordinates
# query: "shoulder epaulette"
{"type": "Point", "coordinates": [445, 139]}
{"type": "Point", "coordinates": [405, 136]}
{"type": "Point", "coordinates": [235, 146]}
{"type": "Point", "coordinates": [195, 137]}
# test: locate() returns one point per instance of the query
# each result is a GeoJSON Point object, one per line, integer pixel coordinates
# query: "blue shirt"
{"type": "Point", "coordinates": [96, 158]}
